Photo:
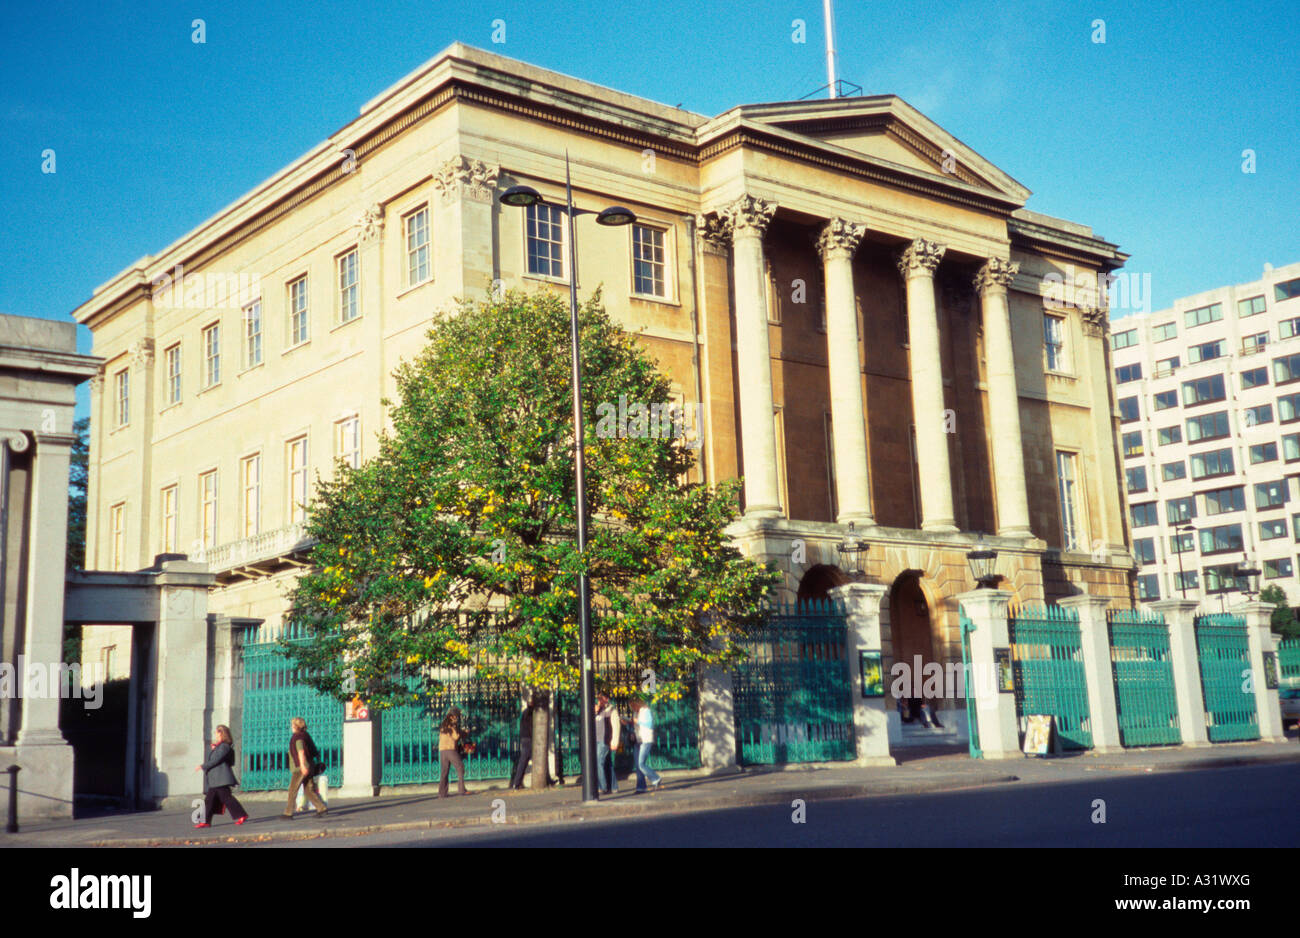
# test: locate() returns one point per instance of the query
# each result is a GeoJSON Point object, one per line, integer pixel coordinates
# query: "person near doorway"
{"type": "Point", "coordinates": [645, 734]}
{"type": "Point", "coordinates": [304, 765]}
{"type": "Point", "coordinates": [450, 733]}
{"type": "Point", "coordinates": [525, 743]}
{"type": "Point", "coordinates": [607, 742]}
{"type": "Point", "coordinates": [219, 777]}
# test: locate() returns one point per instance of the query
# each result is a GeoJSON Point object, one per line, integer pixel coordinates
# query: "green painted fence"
{"type": "Point", "coordinates": [1144, 678]}
{"type": "Point", "coordinates": [1288, 662]}
{"type": "Point", "coordinates": [1224, 653]}
{"type": "Point", "coordinates": [793, 700]}
{"type": "Point", "coordinates": [676, 724]}
{"type": "Point", "coordinates": [1047, 663]}
{"type": "Point", "coordinates": [274, 693]}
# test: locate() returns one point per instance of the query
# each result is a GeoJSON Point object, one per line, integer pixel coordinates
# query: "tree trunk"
{"type": "Point", "coordinates": [541, 740]}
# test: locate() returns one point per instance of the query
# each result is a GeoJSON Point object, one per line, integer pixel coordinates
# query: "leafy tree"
{"type": "Point", "coordinates": [1283, 621]}
{"type": "Point", "coordinates": [78, 481]}
{"type": "Point", "coordinates": [466, 517]}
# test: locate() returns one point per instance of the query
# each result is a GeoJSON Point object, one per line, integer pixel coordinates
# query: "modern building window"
{"type": "Point", "coordinates": [1273, 494]}
{"type": "Point", "coordinates": [253, 334]}
{"type": "Point", "coordinates": [1132, 443]}
{"type": "Point", "coordinates": [1148, 586]}
{"type": "Point", "coordinates": [1250, 307]}
{"type": "Point", "coordinates": [1204, 390]}
{"type": "Point", "coordinates": [250, 480]}
{"type": "Point", "coordinates": [349, 289]}
{"type": "Point", "coordinates": [298, 332]}
{"type": "Point", "coordinates": [117, 533]}
{"type": "Point", "coordinates": [1257, 415]}
{"type": "Point", "coordinates": [1287, 290]}
{"type": "Point", "coordinates": [1136, 479]}
{"type": "Point", "coordinates": [122, 383]}
{"type": "Point", "coordinates": [1182, 543]}
{"type": "Point", "coordinates": [1124, 339]}
{"type": "Point", "coordinates": [1128, 410]}
{"type": "Point", "coordinates": [1172, 471]}
{"type": "Point", "coordinates": [208, 509]}
{"type": "Point", "coordinates": [416, 228]}
{"type": "Point", "coordinates": [1144, 550]}
{"type": "Point", "coordinates": [1291, 447]}
{"type": "Point", "coordinates": [347, 441]}
{"type": "Point", "coordinates": [1067, 490]}
{"type": "Point", "coordinates": [1286, 369]}
{"type": "Point", "coordinates": [1054, 343]}
{"type": "Point", "coordinates": [1166, 366]}
{"type": "Point", "coordinates": [168, 513]}
{"type": "Point", "coordinates": [1207, 427]}
{"type": "Point", "coordinates": [1272, 530]}
{"type": "Point", "coordinates": [1288, 328]}
{"type": "Point", "coordinates": [545, 240]}
{"type": "Point", "coordinates": [1164, 332]}
{"type": "Point", "coordinates": [1251, 344]}
{"type": "Point", "coordinates": [212, 355]}
{"type": "Point", "coordinates": [174, 374]}
{"type": "Point", "coordinates": [1127, 373]}
{"type": "Point", "coordinates": [1222, 578]}
{"type": "Point", "coordinates": [648, 260]}
{"type": "Point", "coordinates": [1220, 540]}
{"type": "Point", "coordinates": [1224, 501]}
{"type": "Point", "coordinates": [1167, 435]}
{"type": "Point", "coordinates": [1254, 378]}
{"type": "Point", "coordinates": [1185, 581]}
{"type": "Point", "coordinates": [1275, 569]}
{"type": "Point", "coordinates": [1215, 463]}
{"type": "Point", "coordinates": [1178, 510]}
{"type": "Point", "coordinates": [297, 463]}
{"type": "Point", "coordinates": [1205, 351]}
{"type": "Point", "coordinates": [1263, 452]}
{"type": "Point", "coordinates": [1144, 515]}
{"type": "Point", "coordinates": [1166, 399]}
{"type": "Point", "coordinates": [1288, 408]}
{"type": "Point", "coordinates": [1203, 314]}
{"type": "Point", "coordinates": [1295, 527]}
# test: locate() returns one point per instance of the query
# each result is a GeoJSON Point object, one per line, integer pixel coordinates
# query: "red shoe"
{"type": "Point", "coordinates": [204, 824]}
{"type": "Point", "coordinates": [242, 819]}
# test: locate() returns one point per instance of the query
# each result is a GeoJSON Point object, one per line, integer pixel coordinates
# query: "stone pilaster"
{"type": "Point", "coordinates": [1008, 455]}
{"type": "Point", "coordinates": [747, 219]}
{"type": "Point", "coordinates": [1259, 634]}
{"type": "Point", "coordinates": [870, 718]}
{"type": "Point", "coordinates": [917, 265]}
{"type": "Point", "coordinates": [836, 243]}
{"type": "Point", "coordinates": [995, 712]}
{"type": "Point", "coordinates": [463, 252]}
{"type": "Point", "coordinates": [1099, 675]}
{"type": "Point", "coordinates": [1180, 614]}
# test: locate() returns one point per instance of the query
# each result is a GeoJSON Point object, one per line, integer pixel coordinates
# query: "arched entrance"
{"type": "Point", "coordinates": [818, 582]}
{"type": "Point", "coordinates": [911, 630]}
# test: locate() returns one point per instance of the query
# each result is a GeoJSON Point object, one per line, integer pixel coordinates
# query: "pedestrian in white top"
{"type": "Point", "coordinates": [645, 732]}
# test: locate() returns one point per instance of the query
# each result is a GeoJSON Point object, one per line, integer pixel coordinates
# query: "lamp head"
{"type": "Point", "coordinates": [616, 215]}
{"type": "Point", "coordinates": [520, 196]}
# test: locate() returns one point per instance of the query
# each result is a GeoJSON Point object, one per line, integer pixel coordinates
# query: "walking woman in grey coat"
{"type": "Point", "coordinates": [219, 777]}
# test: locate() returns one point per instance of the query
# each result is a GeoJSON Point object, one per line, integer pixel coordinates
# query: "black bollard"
{"type": "Point", "coordinates": [12, 826]}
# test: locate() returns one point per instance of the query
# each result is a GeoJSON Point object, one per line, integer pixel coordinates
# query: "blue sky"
{"type": "Point", "coordinates": [1140, 136]}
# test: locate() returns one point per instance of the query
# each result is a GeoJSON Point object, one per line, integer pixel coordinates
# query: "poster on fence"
{"type": "Point", "coordinates": [1038, 734]}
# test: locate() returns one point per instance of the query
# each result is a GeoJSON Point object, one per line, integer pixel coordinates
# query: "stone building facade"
{"type": "Point", "coordinates": [855, 297]}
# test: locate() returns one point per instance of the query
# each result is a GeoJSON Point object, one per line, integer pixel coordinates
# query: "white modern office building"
{"type": "Point", "coordinates": [1209, 401]}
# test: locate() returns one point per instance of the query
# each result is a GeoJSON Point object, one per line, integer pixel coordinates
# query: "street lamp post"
{"type": "Point", "coordinates": [521, 197]}
{"type": "Point", "coordinates": [1178, 532]}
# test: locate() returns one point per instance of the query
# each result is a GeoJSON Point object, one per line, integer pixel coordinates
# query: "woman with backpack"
{"type": "Point", "coordinates": [451, 739]}
{"type": "Point", "coordinates": [645, 735]}
{"type": "Point", "coordinates": [304, 766]}
{"type": "Point", "coordinates": [219, 777]}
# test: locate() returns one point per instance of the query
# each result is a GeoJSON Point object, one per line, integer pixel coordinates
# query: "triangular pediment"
{"type": "Point", "coordinates": [887, 128]}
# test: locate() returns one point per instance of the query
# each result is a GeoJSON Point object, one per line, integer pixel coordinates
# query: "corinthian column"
{"type": "Point", "coordinates": [917, 264]}
{"type": "Point", "coordinates": [1008, 469]}
{"type": "Point", "coordinates": [836, 243]}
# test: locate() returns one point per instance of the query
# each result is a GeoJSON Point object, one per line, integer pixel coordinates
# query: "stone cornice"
{"type": "Point", "coordinates": [1064, 244]}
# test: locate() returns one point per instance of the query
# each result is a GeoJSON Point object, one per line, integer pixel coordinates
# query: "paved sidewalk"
{"type": "Point", "coordinates": [419, 808]}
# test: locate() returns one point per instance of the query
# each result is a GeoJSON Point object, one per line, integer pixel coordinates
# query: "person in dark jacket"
{"type": "Point", "coordinates": [304, 766]}
{"type": "Point", "coordinates": [219, 777]}
{"type": "Point", "coordinates": [525, 743]}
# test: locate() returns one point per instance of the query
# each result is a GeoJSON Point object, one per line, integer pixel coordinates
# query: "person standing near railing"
{"type": "Point", "coordinates": [607, 740]}
{"type": "Point", "coordinates": [645, 731]}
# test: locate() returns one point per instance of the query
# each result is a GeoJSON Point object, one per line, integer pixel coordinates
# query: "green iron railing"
{"type": "Point", "coordinates": [1047, 663]}
{"type": "Point", "coordinates": [972, 712]}
{"type": "Point", "coordinates": [1144, 678]}
{"type": "Point", "coordinates": [274, 693]}
{"type": "Point", "coordinates": [1288, 662]}
{"type": "Point", "coordinates": [1224, 653]}
{"type": "Point", "coordinates": [793, 695]}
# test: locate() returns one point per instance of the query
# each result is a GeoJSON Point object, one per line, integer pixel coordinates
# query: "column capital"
{"type": "Point", "coordinates": [16, 440]}
{"type": "Point", "coordinates": [142, 352]}
{"type": "Point", "coordinates": [461, 174]}
{"type": "Point", "coordinates": [838, 235]}
{"type": "Point", "coordinates": [920, 258]}
{"type": "Point", "coordinates": [749, 215]}
{"type": "Point", "coordinates": [1096, 320]}
{"type": "Point", "coordinates": [97, 381]}
{"type": "Point", "coordinates": [714, 231]}
{"type": "Point", "coordinates": [370, 222]}
{"type": "Point", "coordinates": [996, 274]}
{"type": "Point", "coordinates": [1083, 601]}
